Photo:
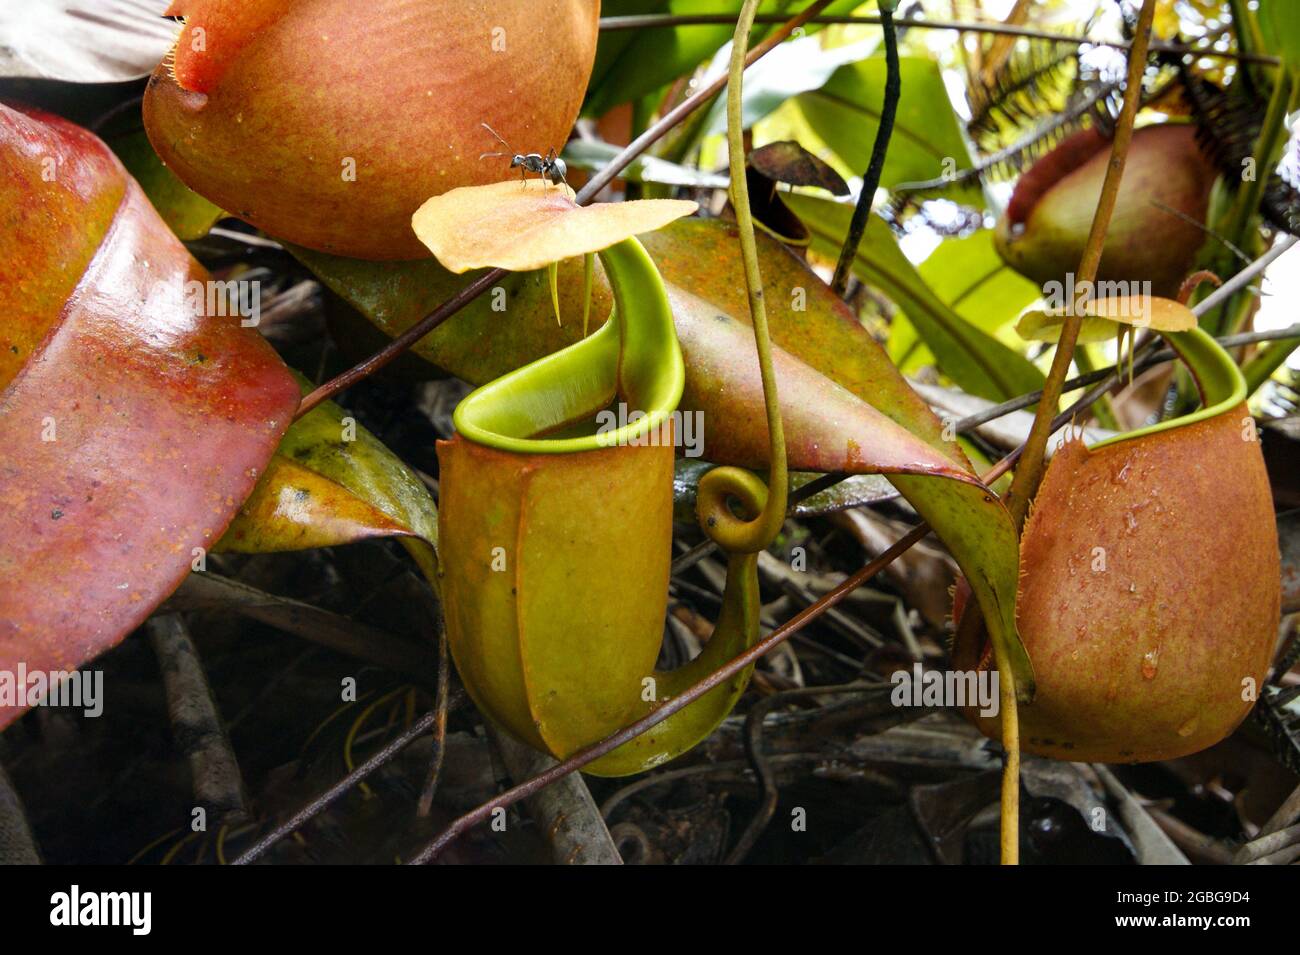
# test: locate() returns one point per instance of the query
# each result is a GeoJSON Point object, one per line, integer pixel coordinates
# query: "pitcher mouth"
{"type": "Point", "coordinates": [634, 357]}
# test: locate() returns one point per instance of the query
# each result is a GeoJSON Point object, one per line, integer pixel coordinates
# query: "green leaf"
{"type": "Point", "coordinates": [188, 214]}
{"type": "Point", "coordinates": [970, 278]}
{"type": "Point", "coordinates": [1266, 361]}
{"type": "Point", "coordinates": [633, 63]}
{"type": "Point", "coordinates": [794, 67]}
{"type": "Point", "coordinates": [509, 326]}
{"type": "Point", "coordinates": [607, 76]}
{"type": "Point", "coordinates": [333, 482]}
{"type": "Point", "coordinates": [1279, 22]}
{"type": "Point", "coordinates": [975, 360]}
{"type": "Point", "coordinates": [927, 140]}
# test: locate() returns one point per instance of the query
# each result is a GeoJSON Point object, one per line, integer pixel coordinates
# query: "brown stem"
{"type": "Point", "coordinates": [1029, 472]}
{"type": "Point", "coordinates": [588, 192]}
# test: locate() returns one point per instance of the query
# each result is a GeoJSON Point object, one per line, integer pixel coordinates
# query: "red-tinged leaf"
{"type": "Point", "coordinates": [500, 332]}
{"type": "Point", "coordinates": [132, 428]}
{"type": "Point", "coordinates": [806, 318]}
{"type": "Point", "coordinates": [188, 214]}
{"type": "Point", "coordinates": [828, 428]}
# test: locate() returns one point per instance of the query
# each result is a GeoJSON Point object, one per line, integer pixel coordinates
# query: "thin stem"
{"type": "Point", "coordinates": [441, 707]}
{"type": "Point", "coordinates": [871, 179]}
{"type": "Point", "coordinates": [1267, 148]}
{"type": "Point", "coordinates": [588, 192]}
{"type": "Point", "coordinates": [1242, 278]}
{"type": "Point", "coordinates": [700, 97]}
{"type": "Point", "coordinates": [435, 720]}
{"type": "Point", "coordinates": [338, 790]}
{"type": "Point", "coordinates": [1110, 375]}
{"type": "Point", "coordinates": [1009, 153]}
{"type": "Point", "coordinates": [773, 516]}
{"type": "Point", "coordinates": [1029, 472]}
{"type": "Point", "coordinates": [1104, 412]}
{"type": "Point", "coordinates": [1249, 39]}
{"type": "Point", "coordinates": [401, 343]}
{"type": "Point", "coordinates": [1009, 839]}
{"type": "Point", "coordinates": [652, 21]}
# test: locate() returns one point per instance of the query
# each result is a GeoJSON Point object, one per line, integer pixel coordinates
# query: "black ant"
{"type": "Point", "coordinates": [550, 166]}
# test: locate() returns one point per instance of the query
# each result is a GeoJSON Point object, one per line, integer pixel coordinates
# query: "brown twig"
{"type": "Point", "coordinates": [435, 720]}
{"type": "Point", "coordinates": [337, 791]}
{"type": "Point", "coordinates": [196, 724]}
{"type": "Point", "coordinates": [762, 767]}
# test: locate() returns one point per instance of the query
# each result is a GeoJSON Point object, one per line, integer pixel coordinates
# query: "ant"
{"type": "Point", "coordinates": [550, 166]}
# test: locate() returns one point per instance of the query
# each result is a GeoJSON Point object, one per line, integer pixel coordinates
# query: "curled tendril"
{"type": "Point", "coordinates": [762, 507]}
{"type": "Point", "coordinates": [725, 490]}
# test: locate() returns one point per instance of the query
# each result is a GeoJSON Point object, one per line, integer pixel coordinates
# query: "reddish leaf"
{"type": "Point", "coordinates": [828, 428]}
{"type": "Point", "coordinates": [132, 428]}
